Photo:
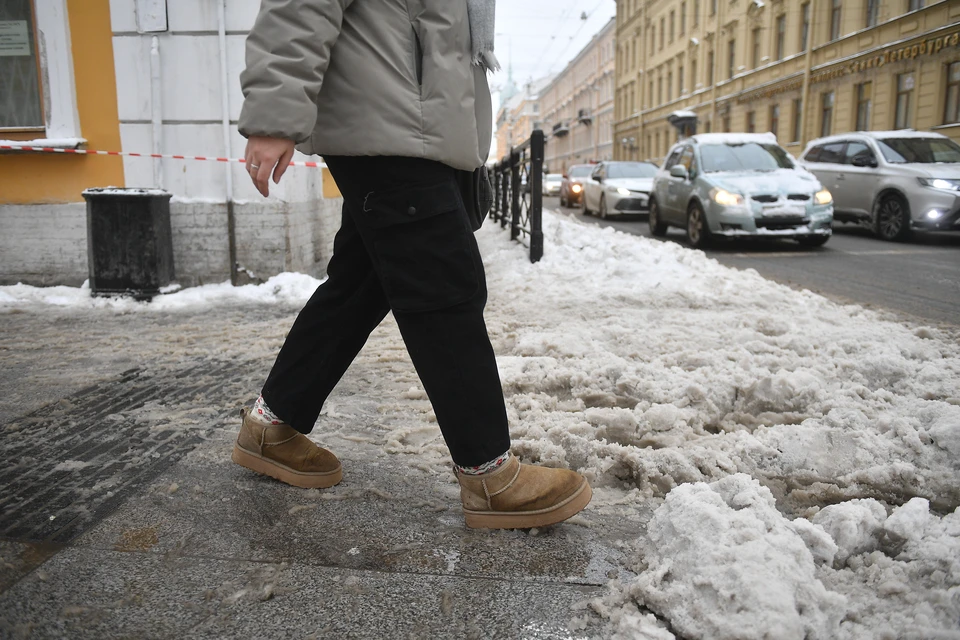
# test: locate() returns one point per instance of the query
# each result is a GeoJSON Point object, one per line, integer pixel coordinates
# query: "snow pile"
{"type": "Point", "coordinates": [728, 565]}
{"type": "Point", "coordinates": [285, 288]}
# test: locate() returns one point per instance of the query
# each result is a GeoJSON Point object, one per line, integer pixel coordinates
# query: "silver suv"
{"type": "Point", "coordinates": [894, 181]}
{"type": "Point", "coordinates": [738, 185]}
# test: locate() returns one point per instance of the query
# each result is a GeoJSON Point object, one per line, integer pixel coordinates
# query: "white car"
{"type": "Point", "coordinates": [893, 181]}
{"type": "Point", "coordinates": [551, 184]}
{"type": "Point", "coordinates": [618, 187]}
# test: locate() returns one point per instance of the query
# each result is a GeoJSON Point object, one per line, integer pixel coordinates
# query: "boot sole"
{"type": "Point", "coordinates": [283, 473]}
{"type": "Point", "coordinates": [530, 519]}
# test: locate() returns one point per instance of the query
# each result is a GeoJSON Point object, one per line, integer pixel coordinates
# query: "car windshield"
{"type": "Point", "coordinates": [554, 177]}
{"type": "Point", "coordinates": [581, 171]}
{"type": "Point", "coordinates": [923, 150]}
{"type": "Point", "coordinates": [746, 156]}
{"type": "Point", "coordinates": [630, 170]}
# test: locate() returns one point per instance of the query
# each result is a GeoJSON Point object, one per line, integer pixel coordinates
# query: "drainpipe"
{"type": "Point", "coordinates": [156, 115]}
{"type": "Point", "coordinates": [805, 92]}
{"type": "Point", "coordinates": [225, 115]}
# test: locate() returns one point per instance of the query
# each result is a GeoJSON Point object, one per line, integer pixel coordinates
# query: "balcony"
{"type": "Point", "coordinates": [561, 129]}
{"type": "Point", "coordinates": [584, 116]}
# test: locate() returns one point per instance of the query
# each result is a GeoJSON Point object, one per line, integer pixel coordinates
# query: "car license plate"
{"type": "Point", "coordinates": [780, 210]}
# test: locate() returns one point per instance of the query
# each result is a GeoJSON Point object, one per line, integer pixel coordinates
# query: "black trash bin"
{"type": "Point", "coordinates": [129, 242]}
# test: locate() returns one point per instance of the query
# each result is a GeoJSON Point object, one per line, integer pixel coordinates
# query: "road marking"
{"type": "Point", "coordinates": [808, 254]}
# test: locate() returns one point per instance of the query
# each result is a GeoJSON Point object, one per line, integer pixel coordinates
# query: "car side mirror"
{"type": "Point", "coordinates": [597, 178]}
{"type": "Point", "coordinates": [864, 161]}
{"type": "Point", "coordinates": [679, 171]}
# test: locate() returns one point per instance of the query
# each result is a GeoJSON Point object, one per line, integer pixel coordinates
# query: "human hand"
{"type": "Point", "coordinates": [265, 155]}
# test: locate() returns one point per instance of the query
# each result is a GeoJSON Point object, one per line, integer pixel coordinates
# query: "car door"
{"type": "Point", "coordinates": [683, 188]}
{"type": "Point", "coordinates": [592, 187]}
{"type": "Point", "coordinates": [857, 181]}
{"type": "Point", "coordinates": [827, 165]}
{"type": "Point", "coordinates": [666, 192]}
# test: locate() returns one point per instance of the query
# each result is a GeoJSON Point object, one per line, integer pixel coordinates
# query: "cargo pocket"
{"type": "Point", "coordinates": [422, 246]}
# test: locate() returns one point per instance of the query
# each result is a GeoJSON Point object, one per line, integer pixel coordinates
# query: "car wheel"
{"type": "Point", "coordinates": [893, 218]}
{"type": "Point", "coordinates": [657, 226]}
{"type": "Point", "coordinates": [813, 241]}
{"type": "Point", "coordinates": [583, 205]}
{"type": "Point", "coordinates": [563, 202]}
{"type": "Point", "coordinates": [698, 233]}
{"type": "Point", "coordinates": [603, 207]}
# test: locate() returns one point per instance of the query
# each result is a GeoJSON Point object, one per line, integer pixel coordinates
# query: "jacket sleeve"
{"type": "Point", "coordinates": [287, 54]}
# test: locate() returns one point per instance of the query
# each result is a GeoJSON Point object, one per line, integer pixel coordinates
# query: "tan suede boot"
{"type": "Point", "coordinates": [522, 496]}
{"type": "Point", "coordinates": [282, 452]}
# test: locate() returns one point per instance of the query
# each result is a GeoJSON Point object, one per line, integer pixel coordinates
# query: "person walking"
{"type": "Point", "coordinates": [393, 94]}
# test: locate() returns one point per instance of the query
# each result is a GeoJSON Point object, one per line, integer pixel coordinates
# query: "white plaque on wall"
{"type": "Point", "coordinates": [151, 16]}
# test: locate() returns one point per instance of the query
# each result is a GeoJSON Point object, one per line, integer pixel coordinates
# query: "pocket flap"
{"type": "Point", "coordinates": [408, 204]}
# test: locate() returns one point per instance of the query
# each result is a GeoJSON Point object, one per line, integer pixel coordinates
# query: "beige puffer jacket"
{"type": "Point", "coordinates": [368, 77]}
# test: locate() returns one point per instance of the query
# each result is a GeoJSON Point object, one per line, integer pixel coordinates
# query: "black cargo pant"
{"type": "Point", "coordinates": [404, 245]}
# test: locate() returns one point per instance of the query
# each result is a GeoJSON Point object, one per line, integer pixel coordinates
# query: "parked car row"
{"type": "Point", "coordinates": [741, 184]}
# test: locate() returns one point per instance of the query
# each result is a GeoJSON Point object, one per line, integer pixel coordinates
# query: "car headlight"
{"type": "Point", "coordinates": [725, 198]}
{"type": "Point", "coordinates": [622, 191]}
{"type": "Point", "coordinates": [823, 197]}
{"type": "Point", "coordinates": [940, 183]}
{"type": "Point", "coordinates": [576, 188]}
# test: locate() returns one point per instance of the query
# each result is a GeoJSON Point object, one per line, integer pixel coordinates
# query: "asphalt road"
{"type": "Point", "coordinates": [918, 280]}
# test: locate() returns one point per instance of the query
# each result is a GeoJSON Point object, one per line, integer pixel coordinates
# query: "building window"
{"type": "Point", "coordinates": [902, 116]}
{"type": "Point", "coordinates": [706, 127]}
{"type": "Point", "coordinates": [781, 35]}
{"type": "Point", "coordinates": [660, 90]}
{"type": "Point", "coordinates": [713, 7]}
{"type": "Point", "coordinates": [952, 108]}
{"type": "Point", "coordinates": [804, 25]}
{"type": "Point", "coordinates": [710, 69]}
{"type": "Point", "coordinates": [650, 95]}
{"type": "Point", "coordinates": [726, 123]}
{"type": "Point", "coordinates": [755, 37]}
{"type": "Point", "coordinates": [683, 18]}
{"type": "Point", "coordinates": [693, 74]}
{"type": "Point", "coordinates": [913, 5]}
{"type": "Point", "coordinates": [835, 19]}
{"type": "Point", "coordinates": [21, 101]}
{"type": "Point", "coordinates": [826, 113]}
{"type": "Point", "coordinates": [669, 86]}
{"type": "Point", "coordinates": [696, 13]}
{"type": "Point", "coordinates": [673, 24]}
{"type": "Point", "coordinates": [751, 122]}
{"type": "Point", "coordinates": [775, 119]}
{"type": "Point", "coordinates": [653, 39]}
{"type": "Point", "coordinates": [732, 62]}
{"type": "Point", "coordinates": [797, 119]}
{"type": "Point", "coordinates": [680, 79]}
{"type": "Point", "coordinates": [864, 91]}
{"type": "Point", "coordinates": [663, 30]}
{"type": "Point", "coordinates": [873, 9]}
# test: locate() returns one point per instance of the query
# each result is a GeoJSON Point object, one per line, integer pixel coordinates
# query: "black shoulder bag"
{"type": "Point", "coordinates": [477, 194]}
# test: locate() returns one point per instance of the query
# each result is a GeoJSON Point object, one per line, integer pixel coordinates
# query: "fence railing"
{"type": "Point", "coordinates": [518, 193]}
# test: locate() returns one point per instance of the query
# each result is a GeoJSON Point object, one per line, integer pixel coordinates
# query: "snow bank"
{"type": "Point", "coordinates": [285, 288]}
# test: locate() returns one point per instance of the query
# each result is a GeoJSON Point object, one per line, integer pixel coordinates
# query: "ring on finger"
{"type": "Point", "coordinates": [254, 166]}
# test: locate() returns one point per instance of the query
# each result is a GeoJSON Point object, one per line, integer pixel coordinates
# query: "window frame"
{"type": "Point", "coordinates": [797, 120]}
{"type": "Point", "coordinates": [756, 36]}
{"type": "Point", "coordinates": [864, 105]}
{"type": "Point", "coordinates": [955, 85]}
{"type": "Point", "coordinates": [781, 43]}
{"type": "Point", "coordinates": [836, 19]}
{"type": "Point", "coordinates": [775, 119]}
{"type": "Point", "coordinates": [826, 112]}
{"type": "Point", "coordinates": [804, 26]}
{"type": "Point", "coordinates": [732, 53]}
{"type": "Point", "coordinates": [872, 17]}
{"type": "Point", "coordinates": [751, 122]}
{"type": "Point", "coordinates": [907, 94]}
{"type": "Point", "coordinates": [58, 86]}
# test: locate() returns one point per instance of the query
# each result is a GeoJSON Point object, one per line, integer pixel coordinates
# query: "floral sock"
{"type": "Point", "coordinates": [486, 467]}
{"type": "Point", "coordinates": [262, 414]}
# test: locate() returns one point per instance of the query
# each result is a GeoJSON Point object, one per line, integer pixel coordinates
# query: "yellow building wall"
{"type": "Point", "coordinates": [27, 178]}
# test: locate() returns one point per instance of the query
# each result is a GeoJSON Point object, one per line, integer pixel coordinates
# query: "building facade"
{"type": "Point", "coordinates": [577, 107]}
{"type": "Point", "coordinates": [142, 76]}
{"type": "Point", "coordinates": [518, 117]}
{"type": "Point", "coordinates": [798, 68]}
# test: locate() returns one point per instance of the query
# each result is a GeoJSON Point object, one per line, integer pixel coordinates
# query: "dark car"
{"type": "Point", "coordinates": [571, 188]}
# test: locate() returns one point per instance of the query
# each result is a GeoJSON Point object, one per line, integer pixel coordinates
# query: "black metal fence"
{"type": "Point", "coordinates": [518, 194]}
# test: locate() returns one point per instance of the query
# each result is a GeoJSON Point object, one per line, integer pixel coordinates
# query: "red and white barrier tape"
{"type": "Point", "coordinates": [130, 154]}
